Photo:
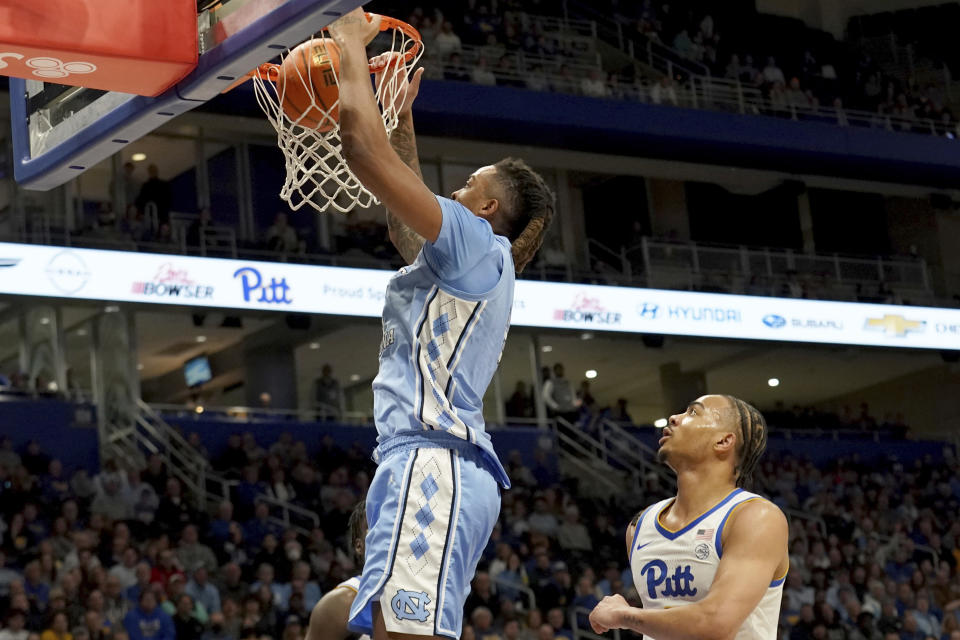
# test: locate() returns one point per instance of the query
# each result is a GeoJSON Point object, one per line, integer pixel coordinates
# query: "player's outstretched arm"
{"type": "Point", "coordinates": [365, 145]}
{"type": "Point", "coordinates": [756, 546]}
{"type": "Point", "coordinates": [404, 142]}
{"type": "Point", "coordinates": [328, 620]}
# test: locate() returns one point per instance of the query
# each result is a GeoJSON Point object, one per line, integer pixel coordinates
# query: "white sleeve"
{"type": "Point", "coordinates": [548, 395]}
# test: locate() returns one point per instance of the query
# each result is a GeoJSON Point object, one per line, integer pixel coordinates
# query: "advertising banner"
{"type": "Point", "coordinates": [117, 276]}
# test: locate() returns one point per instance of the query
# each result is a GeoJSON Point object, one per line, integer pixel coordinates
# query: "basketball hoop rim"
{"type": "Point", "coordinates": [270, 71]}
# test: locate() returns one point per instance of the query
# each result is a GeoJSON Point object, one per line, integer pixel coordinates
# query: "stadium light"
{"type": "Point", "coordinates": [660, 423]}
{"type": "Point", "coordinates": [773, 382]}
{"type": "Point", "coordinates": [591, 374]}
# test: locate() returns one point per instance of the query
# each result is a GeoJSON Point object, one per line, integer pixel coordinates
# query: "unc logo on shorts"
{"type": "Point", "coordinates": [702, 551]}
{"type": "Point", "coordinates": [410, 605]}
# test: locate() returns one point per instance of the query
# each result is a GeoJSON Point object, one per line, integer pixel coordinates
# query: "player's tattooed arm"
{"type": "Point", "coordinates": [404, 142]}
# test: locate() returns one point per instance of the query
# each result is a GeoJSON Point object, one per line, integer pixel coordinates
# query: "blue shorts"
{"type": "Point", "coordinates": [430, 513]}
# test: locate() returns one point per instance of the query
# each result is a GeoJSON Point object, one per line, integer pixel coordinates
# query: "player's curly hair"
{"type": "Point", "coordinates": [752, 441]}
{"type": "Point", "coordinates": [358, 521]}
{"type": "Point", "coordinates": [528, 210]}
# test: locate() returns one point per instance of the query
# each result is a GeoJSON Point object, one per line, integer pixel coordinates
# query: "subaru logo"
{"type": "Point", "coordinates": [774, 321]}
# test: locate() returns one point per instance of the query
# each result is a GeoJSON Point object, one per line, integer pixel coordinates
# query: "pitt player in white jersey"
{"type": "Point", "coordinates": [709, 563]}
{"type": "Point", "coordinates": [435, 498]}
{"type": "Point", "coordinates": [328, 620]}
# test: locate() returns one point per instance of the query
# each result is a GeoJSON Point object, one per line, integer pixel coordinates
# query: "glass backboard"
{"type": "Point", "coordinates": [59, 131]}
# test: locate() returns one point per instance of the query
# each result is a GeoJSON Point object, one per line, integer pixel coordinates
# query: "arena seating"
{"type": "Point", "coordinates": [874, 544]}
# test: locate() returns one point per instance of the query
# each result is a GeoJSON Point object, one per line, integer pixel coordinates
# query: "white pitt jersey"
{"type": "Point", "coordinates": [353, 584]}
{"type": "Point", "coordinates": [674, 568]}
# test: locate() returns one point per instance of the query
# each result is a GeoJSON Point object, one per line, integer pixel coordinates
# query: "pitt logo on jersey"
{"type": "Point", "coordinates": [677, 585]}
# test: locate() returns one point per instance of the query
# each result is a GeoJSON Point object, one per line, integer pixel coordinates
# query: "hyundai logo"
{"type": "Point", "coordinates": [774, 321]}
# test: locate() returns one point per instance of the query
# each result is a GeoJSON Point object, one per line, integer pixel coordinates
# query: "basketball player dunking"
{"type": "Point", "coordinates": [435, 497]}
{"type": "Point", "coordinates": [710, 562]}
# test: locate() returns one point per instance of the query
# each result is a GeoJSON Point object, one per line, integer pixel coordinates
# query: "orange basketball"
{"type": "Point", "coordinates": [307, 84]}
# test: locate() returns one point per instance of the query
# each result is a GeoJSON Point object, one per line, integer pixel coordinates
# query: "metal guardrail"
{"type": "Point", "coordinates": [688, 265]}
{"type": "Point", "coordinates": [526, 591]}
{"type": "Point", "coordinates": [152, 434]}
{"type": "Point", "coordinates": [579, 632]}
{"type": "Point", "coordinates": [621, 444]}
{"type": "Point", "coordinates": [244, 415]}
{"type": "Point", "coordinates": [590, 455]}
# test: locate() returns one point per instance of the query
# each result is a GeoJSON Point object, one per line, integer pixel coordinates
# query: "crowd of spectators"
{"type": "Point", "coordinates": [126, 554]}
{"type": "Point", "coordinates": [502, 44]}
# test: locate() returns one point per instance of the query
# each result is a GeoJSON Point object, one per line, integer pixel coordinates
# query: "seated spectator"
{"type": "Point", "coordinates": [234, 458]}
{"type": "Point", "coordinates": [586, 598]}
{"type": "Point", "coordinates": [125, 570]}
{"type": "Point", "coordinates": [191, 553]}
{"type": "Point", "coordinates": [55, 486]}
{"type": "Point", "coordinates": [231, 585]}
{"type": "Point", "coordinates": [482, 621]}
{"type": "Point", "coordinates": [311, 590]}
{"type": "Point", "coordinates": [663, 92]}
{"type": "Point", "coordinates": [446, 42]}
{"type": "Point", "coordinates": [520, 404]}
{"type": "Point", "coordinates": [219, 530]}
{"type": "Point", "coordinates": [35, 586]}
{"type": "Point", "coordinates": [482, 74]}
{"type": "Point", "coordinates": [14, 627]}
{"type": "Point", "coordinates": [772, 74]}
{"type": "Point", "coordinates": [482, 594]}
{"type": "Point", "coordinates": [572, 535]}
{"type": "Point", "coordinates": [256, 529]}
{"type": "Point", "coordinates": [186, 624]}
{"type": "Point", "coordinates": [174, 511]}
{"type": "Point", "coordinates": [95, 626]}
{"type": "Point", "coordinates": [684, 45]}
{"type": "Point", "coordinates": [594, 85]}
{"type": "Point", "coordinates": [506, 72]}
{"type": "Point", "coordinates": [542, 520]}
{"type": "Point", "coordinates": [536, 80]}
{"type": "Point", "coordinates": [115, 606]}
{"type": "Point", "coordinates": [558, 622]}
{"type": "Point", "coordinates": [167, 567]}
{"type": "Point", "coordinates": [265, 578]}
{"type": "Point", "coordinates": [281, 237]}
{"type": "Point", "coordinates": [455, 70]}
{"type": "Point", "coordinates": [148, 621]}
{"type": "Point", "coordinates": [58, 629]}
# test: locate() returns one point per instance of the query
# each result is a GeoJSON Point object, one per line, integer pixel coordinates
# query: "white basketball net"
{"type": "Point", "coordinates": [317, 174]}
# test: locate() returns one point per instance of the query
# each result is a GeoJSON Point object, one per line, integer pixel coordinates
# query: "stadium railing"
{"type": "Point", "coordinates": [687, 265]}
{"type": "Point", "coordinates": [241, 414]}
{"type": "Point", "coordinates": [655, 263]}
{"type": "Point", "coordinates": [581, 614]}
{"type": "Point", "coordinates": [526, 591]}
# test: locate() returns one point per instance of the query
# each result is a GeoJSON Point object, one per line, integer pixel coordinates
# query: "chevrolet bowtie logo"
{"type": "Point", "coordinates": [895, 325]}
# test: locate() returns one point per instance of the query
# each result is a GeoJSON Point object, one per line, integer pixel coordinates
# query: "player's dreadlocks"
{"type": "Point", "coordinates": [529, 210]}
{"type": "Point", "coordinates": [753, 439]}
{"type": "Point", "coordinates": [357, 524]}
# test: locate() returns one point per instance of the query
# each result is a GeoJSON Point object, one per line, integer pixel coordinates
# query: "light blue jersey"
{"type": "Point", "coordinates": [445, 322]}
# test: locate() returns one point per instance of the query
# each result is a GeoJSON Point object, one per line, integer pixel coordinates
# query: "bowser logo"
{"type": "Point", "coordinates": [49, 67]}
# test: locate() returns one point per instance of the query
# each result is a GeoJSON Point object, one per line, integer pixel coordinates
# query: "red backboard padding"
{"type": "Point", "coordinates": [133, 46]}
